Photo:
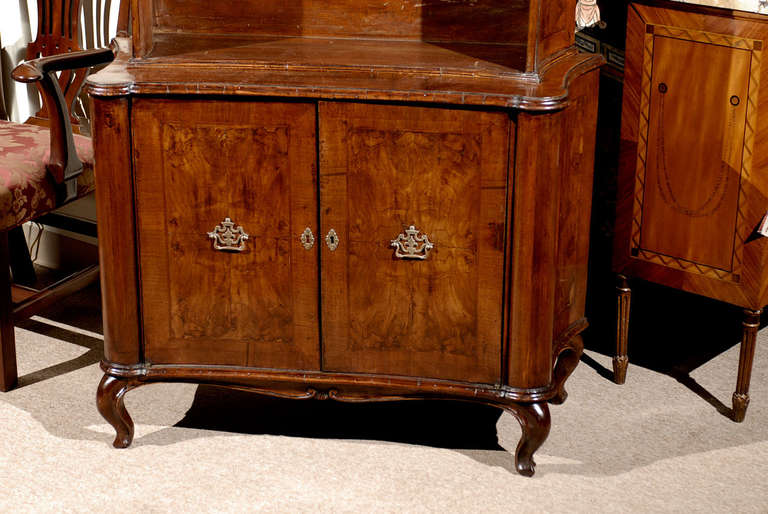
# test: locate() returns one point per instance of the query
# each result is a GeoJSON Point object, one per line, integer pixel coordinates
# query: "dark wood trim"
{"type": "Point", "coordinates": [8, 372]}
{"type": "Point", "coordinates": [294, 383]}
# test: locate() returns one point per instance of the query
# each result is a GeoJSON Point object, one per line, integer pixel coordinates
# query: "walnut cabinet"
{"type": "Point", "coordinates": [350, 201]}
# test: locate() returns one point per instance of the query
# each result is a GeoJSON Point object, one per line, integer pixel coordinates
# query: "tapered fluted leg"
{"type": "Point", "coordinates": [535, 421]}
{"type": "Point", "coordinates": [568, 356]}
{"type": "Point", "coordinates": [621, 360]}
{"type": "Point", "coordinates": [109, 398]}
{"type": "Point", "coordinates": [747, 354]}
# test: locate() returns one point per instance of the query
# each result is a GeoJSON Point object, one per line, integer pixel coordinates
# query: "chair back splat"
{"type": "Point", "coordinates": [57, 33]}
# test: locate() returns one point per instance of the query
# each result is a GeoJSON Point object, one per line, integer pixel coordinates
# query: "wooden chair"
{"type": "Point", "coordinates": [43, 165]}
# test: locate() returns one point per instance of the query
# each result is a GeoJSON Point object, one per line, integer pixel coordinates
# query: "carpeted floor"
{"type": "Point", "coordinates": [656, 444]}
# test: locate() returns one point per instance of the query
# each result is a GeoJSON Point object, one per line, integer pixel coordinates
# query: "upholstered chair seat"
{"type": "Point", "coordinates": [26, 188]}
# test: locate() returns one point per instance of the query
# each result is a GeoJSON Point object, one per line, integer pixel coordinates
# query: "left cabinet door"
{"type": "Point", "coordinates": [203, 164]}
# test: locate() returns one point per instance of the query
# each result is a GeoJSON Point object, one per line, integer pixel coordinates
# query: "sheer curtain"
{"type": "Point", "coordinates": [16, 31]}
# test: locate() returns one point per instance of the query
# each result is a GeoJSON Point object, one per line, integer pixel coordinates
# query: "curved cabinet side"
{"type": "Point", "coordinates": [533, 253]}
{"type": "Point", "coordinates": [117, 245]}
{"type": "Point", "coordinates": [577, 158]}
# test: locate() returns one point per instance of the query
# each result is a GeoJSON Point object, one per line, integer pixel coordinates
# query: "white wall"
{"type": "Point", "coordinates": [18, 21]}
{"type": "Point", "coordinates": [18, 25]}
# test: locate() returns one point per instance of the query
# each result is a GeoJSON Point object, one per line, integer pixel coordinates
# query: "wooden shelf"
{"type": "Point", "coordinates": [340, 54]}
{"type": "Point", "coordinates": [338, 68]}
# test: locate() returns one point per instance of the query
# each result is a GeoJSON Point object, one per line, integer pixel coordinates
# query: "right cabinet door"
{"type": "Point", "coordinates": [413, 215]}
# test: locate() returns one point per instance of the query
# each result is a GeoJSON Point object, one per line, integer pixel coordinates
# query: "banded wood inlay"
{"type": "Point", "coordinates": [742, 229]}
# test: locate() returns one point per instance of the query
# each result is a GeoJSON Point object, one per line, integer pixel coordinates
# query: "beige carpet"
{"type": "Point", "coordinates": [652, 445]}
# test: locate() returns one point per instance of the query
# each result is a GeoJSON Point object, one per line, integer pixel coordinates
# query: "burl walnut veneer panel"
{"type": "Point", "coordinates": [444, 171]}
{"type": "Point", "coordinates": [200, 162]}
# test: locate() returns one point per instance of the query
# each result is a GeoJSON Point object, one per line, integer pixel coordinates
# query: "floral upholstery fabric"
{"type": "Point", "coordinates": [26, 190]}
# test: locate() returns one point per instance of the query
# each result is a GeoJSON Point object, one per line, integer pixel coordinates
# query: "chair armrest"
{"type": "Point", "coordinates": [34, 70]}
{"type": "Point", "coordinates": [64, 165]}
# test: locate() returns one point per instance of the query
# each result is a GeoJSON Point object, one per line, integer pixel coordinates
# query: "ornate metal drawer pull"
{"type": "Point", "coordinates": [411, 245]}
{"type": "Point", "coordinates": [228, 238]}
{"type": "Point", "coordinates": [307, 239]}
{"type": "Point", "coordinates": [332, 240]}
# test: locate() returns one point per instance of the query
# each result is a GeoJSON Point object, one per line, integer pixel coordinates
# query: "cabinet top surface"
{"type": "Point", "coordinates": [755, 6]}
{"type": "Point", "coordinates": [302, 67]}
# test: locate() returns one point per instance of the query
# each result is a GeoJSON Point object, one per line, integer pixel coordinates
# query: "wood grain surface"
{"type": "Point", "coordinates": [470, 120]}
{"type": "Point", "coordinates": [692, 182]}
{"type": "Point", "coordinates": [716, 255]}
{"type": "Point", "coordinates": [432, 41]}
{"type": "Point", "coordinates": [198, 163]}
{"type": "Point", "coordinates": [497, 21]}
{"type": "Point", "coordinates": [117, 229]}
{"type": "Point", "coordinates": [384, 168]}
{"type": "Point", "coordinates": [689, 210]}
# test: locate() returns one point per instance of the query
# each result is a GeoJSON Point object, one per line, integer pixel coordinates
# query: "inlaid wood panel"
{"type": "Point", "coordinates": [690, 198]}
{"type": "Point", "coordinates": [197, 163]}
{"type": "Point", "coordinates": [578, 160]}
{"type": "Point", "coordinates": [743, 281]}
{"type": "Point", "coordinates": [383, 169]}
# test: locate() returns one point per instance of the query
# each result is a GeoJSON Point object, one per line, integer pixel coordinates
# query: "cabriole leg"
{"type": "Point", "coordinates": [746, 355]}
{"type": "Point", "coordinates": [621, 360]}
{"type": "Point", "coordinates": [535, 421]}
{"type": "Point", "coordinates": [109, 398]}
{"type": "Point", "coordinates": [568, 356]}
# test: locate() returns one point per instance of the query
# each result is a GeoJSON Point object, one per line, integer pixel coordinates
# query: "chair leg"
{"type": "Point", "coordinates": [746, 355]}
{"type": "Point", "coordinates": [8, 372]}
{"type": "Point", "coordinates": [621, 360]}
{"type": "Point", "coordinates": [22, 269]}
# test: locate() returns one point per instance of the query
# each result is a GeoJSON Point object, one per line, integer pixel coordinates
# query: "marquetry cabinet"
{"type": "Point", "coordinates": [693, 173]}
{"type": "Point", "coordinates": [353, 200]}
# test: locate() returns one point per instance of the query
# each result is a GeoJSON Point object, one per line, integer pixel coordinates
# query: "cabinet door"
{"type": "Point", "coordinates": [384, 169]}
{"type": "Point", "coordinates": [689, 179]}
{"type": "Point", "coordinates": [198, 163]}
